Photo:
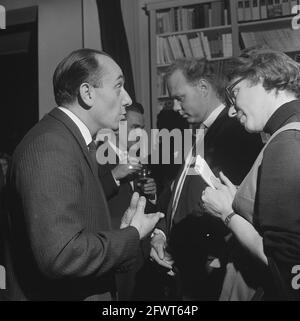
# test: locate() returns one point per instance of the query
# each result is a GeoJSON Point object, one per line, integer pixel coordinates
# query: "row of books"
{"type": "Point", "coordinates": [284, 39]}
{"type": "Point", "coordinates": [195, 45]}
{"type": "Point", "coordinates": [248, 10]}
{"type": "Point", "coordinates": [193, 17]}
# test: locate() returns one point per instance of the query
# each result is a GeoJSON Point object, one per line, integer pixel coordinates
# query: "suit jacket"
{"type": "Point", "coordinates": [61, 245]}
{"type": "Point", "coordinates": [118, 196]}
{"type": "Point", "coordinates": [227, 147]}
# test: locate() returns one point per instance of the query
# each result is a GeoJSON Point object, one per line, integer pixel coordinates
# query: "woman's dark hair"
{"type": "Point", "coordinates": [275, 69]}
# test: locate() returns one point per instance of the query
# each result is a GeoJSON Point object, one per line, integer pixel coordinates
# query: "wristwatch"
{"type": "Point", "coordinates": [228, 218]}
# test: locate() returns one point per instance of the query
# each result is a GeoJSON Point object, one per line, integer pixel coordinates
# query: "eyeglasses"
{"type": "Point", "coordinates": [230, 94]}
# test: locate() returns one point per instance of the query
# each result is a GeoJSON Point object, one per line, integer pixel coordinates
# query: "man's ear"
{"type": "Point", "coordinates": [86, 96]}
{"type": "Point", "coordinates": [203, 86]}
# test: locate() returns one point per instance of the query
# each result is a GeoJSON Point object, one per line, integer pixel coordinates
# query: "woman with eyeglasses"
{"type": "Point", "coordinates": [263, 214]}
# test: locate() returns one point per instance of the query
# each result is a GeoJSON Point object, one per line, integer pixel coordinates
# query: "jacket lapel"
{"type": "Point", "coordinates": [212, 130]}
{"type": "Point", "coordinates": [75, 132]}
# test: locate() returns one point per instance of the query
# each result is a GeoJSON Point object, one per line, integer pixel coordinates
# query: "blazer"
{"type": "Point", "coordinates": [61, 245]}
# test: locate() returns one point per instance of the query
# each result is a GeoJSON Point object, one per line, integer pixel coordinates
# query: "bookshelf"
{"type": "Point", "coordinates": [216, 30]}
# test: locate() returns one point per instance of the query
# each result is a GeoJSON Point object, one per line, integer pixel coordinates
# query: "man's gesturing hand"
{"type": "Point", "coordinates": [135, 216]}
{"type": "Point", "coordinates": [158, 252]}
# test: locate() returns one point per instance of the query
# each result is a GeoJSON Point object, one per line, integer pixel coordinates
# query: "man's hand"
{"type": "Point", "coordinates": [148, 188]}
{"type": "Point", "coordinates": [128, 215]}
{"type": "Point", "coordinates": [218, 201]}
{"type": "Point", "coordinates": [158, 251]}
{"type": "Point", "coordinates": [135, 216]}
{"type": "Point", "coordinates": [123, 170]}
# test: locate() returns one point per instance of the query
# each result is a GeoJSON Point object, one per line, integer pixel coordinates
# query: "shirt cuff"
{"type": "Point", "coordinates": [153, 201]}
{"type": "Point", "coordinates": [116, 180]}
{"type": "Point", "coordinates": [158, 231]}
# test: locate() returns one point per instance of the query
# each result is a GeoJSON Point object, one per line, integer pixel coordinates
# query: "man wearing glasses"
{"type": "Point", "coordinates": [193, 243]}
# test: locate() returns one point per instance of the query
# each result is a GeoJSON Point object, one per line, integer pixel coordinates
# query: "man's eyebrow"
{"type": "Point", "coordinates": [121, 77]}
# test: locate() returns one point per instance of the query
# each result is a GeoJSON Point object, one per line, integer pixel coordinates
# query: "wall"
{"type": "Point", "coordinates": [63, 26]}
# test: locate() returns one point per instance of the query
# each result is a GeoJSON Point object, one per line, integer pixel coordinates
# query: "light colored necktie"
{"type": "Point", "coordinates": [189, 160]}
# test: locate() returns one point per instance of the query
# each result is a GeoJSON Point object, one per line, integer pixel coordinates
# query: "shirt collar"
{"type": "Point", "coordinates": [79, 123]}
{"type": "Point", "coordinates": [281, 116]}
{"type": "Point", "coordinates": [213, 116]}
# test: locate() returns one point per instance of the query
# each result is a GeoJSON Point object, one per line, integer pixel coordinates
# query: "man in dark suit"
{"type": "Point", "coordinates": [61, 243]}
{"type": "Point", "coordinates": [192, 243]}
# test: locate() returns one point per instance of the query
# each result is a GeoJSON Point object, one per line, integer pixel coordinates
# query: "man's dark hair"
{"type": "Point", "coordinates": [78, 67]}
{"type": "Point", "coordinates": [195, 69]}
{"type": "Point", "coordinates": [137, 107]}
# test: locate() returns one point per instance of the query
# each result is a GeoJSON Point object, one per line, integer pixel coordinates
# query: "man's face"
{"type": "Point", "coordinates": [135, 121]}
{"type": "Point", "coordinates": [187, 98]}
{"type": "Point", "coordinates": [110, 98]}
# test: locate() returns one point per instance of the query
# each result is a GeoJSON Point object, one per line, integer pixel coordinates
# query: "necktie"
{"type": "Point", "coordinates": [188, 162]}
{"type": "Point", "coordinates": [92, 147]}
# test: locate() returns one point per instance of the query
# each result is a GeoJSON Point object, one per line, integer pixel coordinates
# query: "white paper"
{"type": "Point", "coordinates": [202, 168]}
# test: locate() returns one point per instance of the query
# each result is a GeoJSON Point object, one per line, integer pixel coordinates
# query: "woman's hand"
{"type": "Point", "coordinates": [218, 202]}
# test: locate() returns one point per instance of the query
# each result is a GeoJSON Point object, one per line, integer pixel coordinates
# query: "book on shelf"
{"type": "Point", "coordinates": [217, 9]}
{"type": "Point", "coordinates": [293, 3]}
{"type": "Point", "coordinates": [207, 15]}
{"type": "Point", "coordinates": [263, 9]}
{"type": "Point", "coordinates": [205, 45]}
{"type": "Point", "coordinates": [277, 8]}
{"type": "Point", "coordinates": [240, 10]}
{"type": "Point", "coordinates": [255, 9]}
{"type": "Point", "coordinates": [198, 51]}
{"type": "Point", "coordinates": [286, 7]}
{"type": "Point", "coordinates": [185, 44]}
{"type": "Point", "coordinates": [247, 11]}
{"type": "Point", "coordinates": [270, 8]}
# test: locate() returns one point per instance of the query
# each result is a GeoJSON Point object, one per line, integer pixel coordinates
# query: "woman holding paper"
{"type": "Point", "coordinates": [263, 214]}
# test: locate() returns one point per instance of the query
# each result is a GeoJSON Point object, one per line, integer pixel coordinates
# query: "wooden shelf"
{"type": "Point", "coordinates": [268, 24]}
{"type": "Point", "coordinates": [162, 66]}
{"type": "Point", "coordinates": [223, 29]}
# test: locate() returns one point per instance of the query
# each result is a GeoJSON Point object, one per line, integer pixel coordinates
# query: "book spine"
{"type": "Point", "coordinates": [247, 10]}
{"type": "Point", "coordinates": [286, 7]}
{"type": "Point", "coordinates": [263, 9]}
{"type": "Point", "coordinates": [240, 10]}
{"type": "Point", "coordinates": [255, 10]}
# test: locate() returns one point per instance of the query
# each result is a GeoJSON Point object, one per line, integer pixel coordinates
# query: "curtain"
{"type": "Point", "coordinates": [114, 40]}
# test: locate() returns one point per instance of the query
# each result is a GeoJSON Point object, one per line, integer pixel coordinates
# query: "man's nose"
{"type": "Point", "coordinates": [176, 105]}
{"type": "Point", "coordinates": [127, 101]}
